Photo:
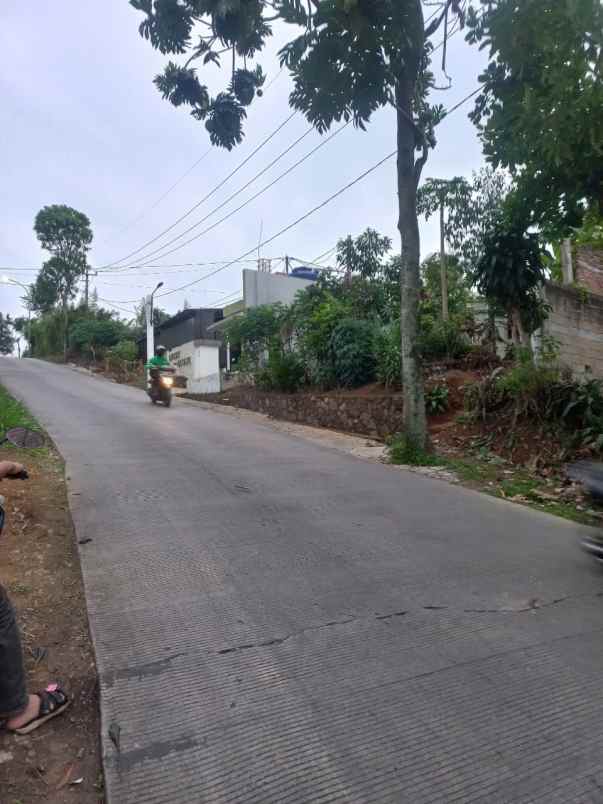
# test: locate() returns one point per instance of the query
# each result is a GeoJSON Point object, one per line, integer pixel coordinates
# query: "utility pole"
{"type": "Point", "coordinates": [443, 271]}
{"type": "Point", "coordinates": [286, 264]}
{"type": "Point", "coordinates": [87, 275]}
{"type": "Point", "coordinates": [148, 309]}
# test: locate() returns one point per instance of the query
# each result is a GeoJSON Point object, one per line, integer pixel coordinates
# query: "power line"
{"type": "Point", "coordinates": [183, 176]}
{"type": "Point", "coordinates": [211, 192]}
{"type": "Point", "coordinates": [286, 228]}
{"type": "Point", "coordinates": [162, 196]}
{"type": "Point", "coordinates": [224, 203]}
{"type": "Point", "coordinates": [302, 217]}
{"type": "Point", "coordinates": [290, 169]}
{"type": "Point", "coordinates": [312, 211]}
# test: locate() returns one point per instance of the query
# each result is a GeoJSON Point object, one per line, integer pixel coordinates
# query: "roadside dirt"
{"type": "Point", "coordinates": [39, 567]}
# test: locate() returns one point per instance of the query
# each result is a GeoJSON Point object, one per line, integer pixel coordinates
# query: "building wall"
{"type": "Point", "coordinates": [589, 269]}
{"type": "Point", "coordinates": [199, 362]}
{"type": "Point", "coordinates": [576, 323]}
{"type": "Point", "coordinates": [263, 288]}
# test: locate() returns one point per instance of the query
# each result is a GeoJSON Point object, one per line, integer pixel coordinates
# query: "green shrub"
{"type": "Point", "coordinates": [353, 352]}
{"type": "Point", "coordinates": [388, 355]}
{"type": "Point", "coordinates": [125, 350]}
{"type": "Point", "coordinates": [443, 340]}
{"type": "Point", "coordinates": [437, 399]}
{"type": "Point", "coordinates": [283, 372]}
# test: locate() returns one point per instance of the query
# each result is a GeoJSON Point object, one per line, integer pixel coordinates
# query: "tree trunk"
{"type": "Point", "coordinates": [443, 272]}
{"type": "Point", "coordinates": [415, 424]}
{"type": "Point", "coordinates": [65, 327]}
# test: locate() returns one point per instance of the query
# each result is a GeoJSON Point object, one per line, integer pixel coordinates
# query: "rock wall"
{"type": "Point", "coordinates": [376, 416]}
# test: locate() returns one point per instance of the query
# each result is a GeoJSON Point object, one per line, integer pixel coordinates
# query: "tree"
{"type": "Point", "coordinates": [7, 339]}
{"type": "Point", "coordinates": [350, 58]}
{"type": "Point", "coordinates": [363, 255]}
{"type": "Point", "coordinates": [140, 322]}
{"type": "Point", "coordinates": [452, 196]}
{"type": "Point", "coordinates": [509, 273]}
{"type": "Point", "coordinates": [540, 113]}
{"type": "Point", "coordinates": [92, 335]}
{"type": "Point", "coordinates": [67, 235]}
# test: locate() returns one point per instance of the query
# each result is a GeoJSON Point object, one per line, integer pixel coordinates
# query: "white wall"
{"type": "Point", "coordinates": [262, 288]}
{"type": "Point", "coordinates": [199, 362]}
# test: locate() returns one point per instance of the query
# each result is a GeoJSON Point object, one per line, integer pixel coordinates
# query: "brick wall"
{"type": "Point", "coordinates": [589, 269]}
{"type": "Point", "coordinates": [576, 322]}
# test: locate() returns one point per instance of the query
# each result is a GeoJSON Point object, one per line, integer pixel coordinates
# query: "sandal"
{"type": "Point", "coordinates": [53, 701]}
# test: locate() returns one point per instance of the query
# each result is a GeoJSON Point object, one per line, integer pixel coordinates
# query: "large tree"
{"type": "Point", "coordinates": [540, 113]}
{"type": "Point", "coordinates": [347, 59]}
{"type": "Point", "coordinates": [67, 235]}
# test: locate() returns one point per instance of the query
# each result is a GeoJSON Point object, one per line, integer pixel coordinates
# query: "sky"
{"type": "Point", "coordinates": [85, 126]}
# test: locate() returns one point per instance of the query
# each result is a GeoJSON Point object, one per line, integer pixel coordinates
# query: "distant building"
{"type": "Point", "coordinates": [195, 351]}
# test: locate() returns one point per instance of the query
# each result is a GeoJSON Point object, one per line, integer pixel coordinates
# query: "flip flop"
{"type": "Point", "coordinates": [53, 701]}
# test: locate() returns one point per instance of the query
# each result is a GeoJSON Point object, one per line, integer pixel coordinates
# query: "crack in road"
{"type": "Point", "coordinates": [534, 605]}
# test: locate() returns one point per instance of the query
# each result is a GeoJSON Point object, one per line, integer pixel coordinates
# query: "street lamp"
{"type": "Point", "coordinates": [9, 280]}
{"type": "Point", "coordinates": [150, 324]}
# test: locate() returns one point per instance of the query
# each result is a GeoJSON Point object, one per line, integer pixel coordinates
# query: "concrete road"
{"type": "Point", "coordinates": [276, 621]}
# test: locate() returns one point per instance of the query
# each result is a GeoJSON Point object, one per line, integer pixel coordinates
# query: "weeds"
{"type": "Point", "coordinates": [437, 399]}
{"type": "Point", "coordinates": [403, 452]}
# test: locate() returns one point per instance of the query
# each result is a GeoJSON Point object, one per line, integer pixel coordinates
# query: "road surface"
{"type": "Point", "coordinates": [276, 621]}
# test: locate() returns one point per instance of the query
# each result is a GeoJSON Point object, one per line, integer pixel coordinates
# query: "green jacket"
{"type": "Point", "coordinates": [158, 361]}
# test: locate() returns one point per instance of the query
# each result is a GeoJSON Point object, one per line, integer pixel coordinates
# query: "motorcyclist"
{"type": "Point", "coordinates": [160, 359]}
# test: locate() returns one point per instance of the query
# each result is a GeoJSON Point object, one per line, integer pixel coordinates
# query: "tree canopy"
{"type": "Point", "coordinates": [540, 113]}
{"type": "Point", "coordinates": [65, 233]}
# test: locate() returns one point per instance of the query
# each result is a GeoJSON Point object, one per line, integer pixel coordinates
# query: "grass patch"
{"type": "Point", "coordinates": [473, 472]}
{"type": "Point", "coordinates": [403, 452]}
{"type": "Point", "coordinates": [14, 414]}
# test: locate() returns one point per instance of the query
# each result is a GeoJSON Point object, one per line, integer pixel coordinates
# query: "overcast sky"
{"type": "Point", "coordinates": [84, 126]}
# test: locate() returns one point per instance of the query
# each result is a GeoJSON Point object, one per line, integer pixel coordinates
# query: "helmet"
{"type": "Point", "coordinates": [160, 350]}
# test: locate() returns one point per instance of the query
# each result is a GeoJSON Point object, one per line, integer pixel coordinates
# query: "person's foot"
{"type": "Point", "coordinates": [31, 712]}
{"type": "Point", "coordinates": [40, 708]}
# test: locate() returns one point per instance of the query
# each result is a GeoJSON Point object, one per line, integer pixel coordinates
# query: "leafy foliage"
{"type": "Point", "coordinates": [437, 399]}
{"type": "Point", "coordinates": [96, 335]}
{"type": "Point", "coordinates": [125, 350]}
{"type": "Point", "coordinates": [387, 354]}
{"type": "Point", "coordinates": [443, 340]}
{"type": "Point", "coordinates": [283, 372]}
{"type": "Point", "coordinates": [511, 270]}
{"type": "Point", "coordinates": [454, 195]}
{"type": "Point", "coordinates": [364, 254]}
{"type": "Point", "coordinates": [65, 233]}
{"type": "Point", "coordinates": [353, 353]}
{"type": "Point", "coordinates": [459, 287]}
{"type": "Point", "coordinates": [540, 113]}
{"type": "Point", "coordinates": [180, 85]}
{"type": "Point", "coordinates": [7, 339]}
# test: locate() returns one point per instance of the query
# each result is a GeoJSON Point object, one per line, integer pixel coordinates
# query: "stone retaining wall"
{"type": "Point", "coordinates": [376, 416]}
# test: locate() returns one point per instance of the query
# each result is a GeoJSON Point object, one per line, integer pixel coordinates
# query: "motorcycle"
{"type": "Point", "coordinates": [590, 475]}
{"type": "Point", "coordinates": [161, 382]}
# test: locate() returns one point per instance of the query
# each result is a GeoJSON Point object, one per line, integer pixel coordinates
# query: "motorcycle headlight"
{"type": "Point", "coordinates": [167, 381]}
